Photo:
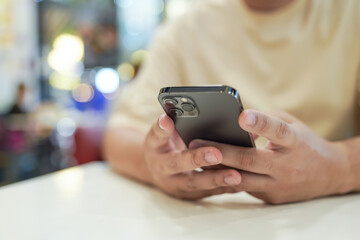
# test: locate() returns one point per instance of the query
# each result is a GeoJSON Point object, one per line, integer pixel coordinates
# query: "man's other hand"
{"type": "Point", "coordinates": [295, 165]}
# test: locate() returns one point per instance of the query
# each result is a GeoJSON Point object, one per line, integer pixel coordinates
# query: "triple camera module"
{"type": "Point", "coordinates": [180, 106]}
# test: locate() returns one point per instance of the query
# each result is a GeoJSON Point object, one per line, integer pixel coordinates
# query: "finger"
{"type": "Point", "coordinates": [183, 161]}
{"type": "Point", "coordinates": [252, 182]}
{"type": "Point", "coordinates": [206, 180]}
{"type": "Point", "coordinates": [161, 132]}
{"type": "Point", "coordinates": [276, 130]}
{"type": "Point", "coordinates": [248, 159]}
{"type": "Point", "coordinates": [286, 117]}
{"type": "Point", "coordinates": [218, 166]}
{"type": "Point", "coordinates": [177, 141]}
{"type": "Point", "coordinates": [195, 195]}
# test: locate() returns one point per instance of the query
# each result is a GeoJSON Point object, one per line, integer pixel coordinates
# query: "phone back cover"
{"type": "Point", "coordinates": [217, 120]}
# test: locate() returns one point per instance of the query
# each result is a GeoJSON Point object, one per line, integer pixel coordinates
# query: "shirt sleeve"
{"type": "Point", "coordinates": [138, 106]}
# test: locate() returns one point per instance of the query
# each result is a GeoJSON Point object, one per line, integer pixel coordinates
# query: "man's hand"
{"type": "Point", "coordinates": [295, 165]}
{"type": "Point", "coordinates": [172, 165]}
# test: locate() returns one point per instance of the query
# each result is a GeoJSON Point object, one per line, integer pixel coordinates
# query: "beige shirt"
{"type": "Point", "coordinates": [302, 59]}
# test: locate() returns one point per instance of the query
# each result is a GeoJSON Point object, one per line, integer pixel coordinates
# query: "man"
{"type": "Point", "coordinates": [298, 58]}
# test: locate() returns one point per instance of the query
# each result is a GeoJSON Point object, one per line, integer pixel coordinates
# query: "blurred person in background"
{"type": "Point", "coordinates": [18, 106]}
{"type": "Point", "coordinates": [14, 123]}
{"type": "Point", "coordinates": [298, 58]}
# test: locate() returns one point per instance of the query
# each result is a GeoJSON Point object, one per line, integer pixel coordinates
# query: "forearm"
{"type": "Point", "coordinates": [352, 153]}
{"type": "Point", "coordinates": [123, 149]}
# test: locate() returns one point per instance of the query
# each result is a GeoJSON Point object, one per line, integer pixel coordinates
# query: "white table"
{"type": "Point", "coordinates": [92, 202]}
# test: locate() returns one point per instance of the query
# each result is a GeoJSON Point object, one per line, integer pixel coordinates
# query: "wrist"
{"type": "Point", "coordinates": [353, 146]}
{"type": "Point", "coordinates": [350, 166]}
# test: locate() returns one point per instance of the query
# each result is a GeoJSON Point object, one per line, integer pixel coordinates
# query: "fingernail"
{"type": "Point", "coordinates": [230, 180]}
{"type": "Point", "coordinates": [210, 158]}
{"type": "Point", "coordinates": [160, 122]}
{"type": "Point", "coordinates": [195, 144]}
{"type": "Point", "coordinates": [250, 119]}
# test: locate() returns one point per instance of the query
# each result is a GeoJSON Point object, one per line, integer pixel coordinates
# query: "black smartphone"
{"type": "Point", "coordinates": [206, 112]}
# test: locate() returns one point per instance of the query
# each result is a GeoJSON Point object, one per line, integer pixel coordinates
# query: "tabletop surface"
{"type": "Point", "coordinates": [92, 202]}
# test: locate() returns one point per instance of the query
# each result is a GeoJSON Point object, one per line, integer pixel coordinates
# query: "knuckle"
{"type": "Point", "coordinates": [246, 160]}
{"type": "Point", "coordinates": [262, 124]}
{"type": "Point", "coordinates": [195, 159]}
{"type": "Point", "coordinates": [216, 182]}
{"type": "Point", "coordinates": [282, 131]}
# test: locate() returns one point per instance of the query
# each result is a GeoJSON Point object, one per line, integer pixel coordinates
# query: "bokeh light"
{"type": "Point", "coordinates": [63, 81]}
{"type": "Point", "coordinates": [66, 127]}
{"type": "Point", "coordinates": [73, 44]}
{"type": "Point", "coordinates": [138, 57]}
{"type": "Point", "coordinates": [67, 52]}
{"type": "Point", "coordinates": [126, 71]}
{"type": "Point", "coordinates": [107, 80]}
{"type": "Point", "coordinates": [83, 92]}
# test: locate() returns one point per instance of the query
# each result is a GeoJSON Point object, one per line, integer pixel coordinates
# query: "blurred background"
{"type": "Point", "coordinates": [62, 64]}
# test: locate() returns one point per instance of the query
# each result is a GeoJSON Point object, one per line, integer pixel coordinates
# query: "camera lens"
{"type": "Point", "coordinates": [176, 112]}
{"type": "Point", "coordinates": [188, 107]}
{"type": "Point", "coordinates": [170, 101]}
